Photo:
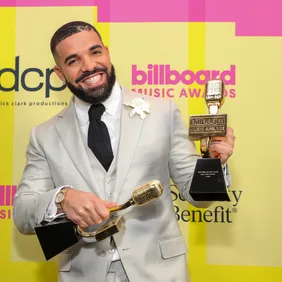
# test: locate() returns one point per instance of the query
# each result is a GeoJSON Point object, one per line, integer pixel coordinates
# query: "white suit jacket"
{"type": "Point", "coordinates": [151, 245]}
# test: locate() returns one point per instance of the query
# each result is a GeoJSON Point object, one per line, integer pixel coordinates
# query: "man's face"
{"type": "Point", "coordinates": [83, 62]}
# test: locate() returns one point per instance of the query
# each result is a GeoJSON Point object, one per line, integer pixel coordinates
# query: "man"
{"type": "Point", "coordinates": [93, 154]}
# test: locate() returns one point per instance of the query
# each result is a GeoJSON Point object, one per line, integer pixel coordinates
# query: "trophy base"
{"type": "Point", "coordinates": [208, 183]}
{"type": "Point", "coordinates": [56, 236]}
{"type": "Point", "coordinates": [61, 233]}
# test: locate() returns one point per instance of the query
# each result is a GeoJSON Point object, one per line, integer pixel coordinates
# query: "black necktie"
{"type": "Point", "coordinates": [98, 136]}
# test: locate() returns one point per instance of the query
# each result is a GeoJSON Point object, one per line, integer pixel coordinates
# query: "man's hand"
{"type": "Point", "coordinates": [84, 208]}
{"type": "Point", "coordinates": [223, 146]}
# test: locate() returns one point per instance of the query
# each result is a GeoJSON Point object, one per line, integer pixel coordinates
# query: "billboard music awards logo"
{"type": "Point", "coordinates": [7, 193]}
{"type": "Point", "coordinates": [216, 213]}
{"type": "Point", "coordinates": [155, 77]}
{"type": "Point", "coordinates": [154, 80]}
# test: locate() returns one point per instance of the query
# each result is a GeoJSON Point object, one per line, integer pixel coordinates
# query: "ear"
{"type": "Point", "coordinates": [59, 73]}
{"type": "Point", "coordinates": [107, 51]}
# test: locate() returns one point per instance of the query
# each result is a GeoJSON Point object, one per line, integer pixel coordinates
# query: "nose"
{"type": "Point", "coordinates": [88, 64]}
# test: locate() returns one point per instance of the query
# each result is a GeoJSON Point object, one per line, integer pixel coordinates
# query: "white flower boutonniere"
{"type": "Point", "coordinates": [139, 106]}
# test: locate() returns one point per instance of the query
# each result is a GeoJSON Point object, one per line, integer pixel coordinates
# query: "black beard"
{"type": "Point", "coordinates": [98, 94]}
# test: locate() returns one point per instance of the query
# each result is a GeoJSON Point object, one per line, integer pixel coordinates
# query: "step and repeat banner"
{"type": "Point", "coordinates": [185, 43]}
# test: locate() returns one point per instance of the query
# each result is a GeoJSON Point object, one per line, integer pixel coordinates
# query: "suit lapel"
{"type": "Point", "coordinates": [131, 128]}
{"type": "Point", "coordinates": [68, 129]}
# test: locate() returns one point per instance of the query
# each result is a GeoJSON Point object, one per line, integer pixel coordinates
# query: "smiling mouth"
{"type": "Point", "coordinates": [92, 79]}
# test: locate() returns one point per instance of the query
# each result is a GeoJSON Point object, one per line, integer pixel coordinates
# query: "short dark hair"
{"type": "Point", "coordinates": [69, 29]}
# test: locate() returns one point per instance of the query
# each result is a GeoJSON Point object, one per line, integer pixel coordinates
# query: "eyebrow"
{"type": "Point", "coordinates": [75, 55]}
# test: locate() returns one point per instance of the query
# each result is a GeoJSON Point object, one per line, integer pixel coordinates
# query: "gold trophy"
{"type": "Point", "coordinates": [208, 183]}
{"type": "Point", "coordinates": [139, 197]}
{"type": "Point", "coordinates": [60, 234]}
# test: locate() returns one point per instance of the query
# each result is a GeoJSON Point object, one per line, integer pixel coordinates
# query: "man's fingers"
{"type": "Point", "coordinates": [81, 223]}
{"type": "Point", "coordinates": [223, 138]}
{"type": "Point", "coordinates": [86, 209]}
{"type": "Point", "coordinates": [230, 134]}
{"type": "Point", "coordinates": [110, 204]}
{"type": "Point", "coordinates": [230, 130]}
{"type": "Point", "coordinates": [102, 211]}
{"type": "Point", "coordinates": [223, 148]}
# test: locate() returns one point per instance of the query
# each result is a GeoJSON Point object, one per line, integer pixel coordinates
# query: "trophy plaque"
{"type": "Point", "coordinates": [208, 183]}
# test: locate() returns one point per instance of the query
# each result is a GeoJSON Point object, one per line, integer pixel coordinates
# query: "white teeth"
{"type": "Point", "coordinates": [93, 79]}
